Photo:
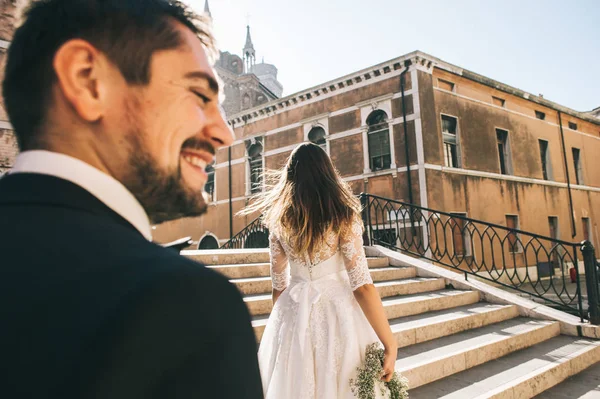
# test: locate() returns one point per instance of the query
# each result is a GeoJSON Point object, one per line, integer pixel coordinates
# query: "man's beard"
{"type": "Point", "coordinates": [162, 193]}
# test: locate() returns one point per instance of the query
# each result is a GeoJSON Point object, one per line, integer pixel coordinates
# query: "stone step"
{"type": "Point", "coordinates": [228, 256]}
{"type": "Point", "coordinates": [433, 360]}
{"type": "Point", "coordinates": [409, 305]}
{"type": "Point", "coordinates": [260, 303]}
{"type": "Point", "coordinates": [215, 257]}
{"type": "Point", "coordinates": [399, 306]}
{"type": "Point", "coordinates": [392, 273]}
{"type": "Point", "coordinates": [426, 327]}
{"type": "Point", "coordinates": [262, 285]}
{"type": "Point", "coordinates": [243, 271]}
{"type": "Point", "coordinates": [378, 261]}
{"type": "Point", "coordinates": [378, 272]}
{"type": "Point", "coordinates": [585, 385]}
{"type": "Point", "coordinates": [522, 374]}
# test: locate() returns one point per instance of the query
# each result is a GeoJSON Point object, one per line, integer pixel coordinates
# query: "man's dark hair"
{"type": "Point", "coordinates": [128, 32]}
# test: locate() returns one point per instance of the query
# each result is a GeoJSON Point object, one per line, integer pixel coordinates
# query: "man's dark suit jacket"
{"type": "Point", "coordinates": [90, 309]}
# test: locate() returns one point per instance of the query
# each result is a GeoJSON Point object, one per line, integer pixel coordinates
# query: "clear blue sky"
{"type": "Point", "coordinates": [540, 46]}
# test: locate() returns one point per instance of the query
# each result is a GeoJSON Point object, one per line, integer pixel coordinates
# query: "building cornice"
{"type": "Point", "coordinates": [361, 78]}
{"type": "Point", "coordinates": [527, 96]}
{"type": "Point", "coordinates": [418, 60]}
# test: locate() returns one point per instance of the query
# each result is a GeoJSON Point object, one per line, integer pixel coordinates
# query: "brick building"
{"type": "Point", "coordinates": [476, 147]}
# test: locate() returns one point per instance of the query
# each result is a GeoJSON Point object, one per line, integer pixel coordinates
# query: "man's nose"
{"type": "Point", "coordinates": [219, 131]}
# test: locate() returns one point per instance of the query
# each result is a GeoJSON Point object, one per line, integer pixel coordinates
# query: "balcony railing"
{"type": "Point", "coordinates": [541, 267]}
{"type": "Point", "coordinates": [255, 235]}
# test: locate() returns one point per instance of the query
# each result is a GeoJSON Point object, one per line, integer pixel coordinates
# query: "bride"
{"type": "Point", "coordinates": [326, 308]}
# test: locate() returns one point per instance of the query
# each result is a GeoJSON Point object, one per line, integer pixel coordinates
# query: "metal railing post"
{"type": "Point", "coordinates": [365, 218]}
{"type": "Point", "coordinates": [592, 281]}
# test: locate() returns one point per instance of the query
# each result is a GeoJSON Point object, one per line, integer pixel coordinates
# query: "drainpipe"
{"type": "Point", "coordinates": [406, 150]}
{"type": "Point", "coordinates": [562, 137]}
{"type": "Point", "coordinates": [230, 199]}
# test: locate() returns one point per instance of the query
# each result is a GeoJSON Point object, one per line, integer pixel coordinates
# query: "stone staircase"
{"type": "Point", "coordinates": [452, 345]}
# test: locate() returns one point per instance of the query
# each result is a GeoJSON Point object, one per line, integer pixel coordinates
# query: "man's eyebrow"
{"type": "Point", "coordinates": [212, 82]}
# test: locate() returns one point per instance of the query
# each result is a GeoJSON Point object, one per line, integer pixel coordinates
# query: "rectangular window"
{"type": "Point", "coordinates": [500, 102]}
{"type": "Point", "coordinates": [587, 229]}
{"type": "Point", "coordinates": [553, 227]}
{"type": "Point", "coordinates": [577, 166]}
{"type": "Point", "coordinates": [256, 166]}
{"type": "Point", "coordinates": [209, 187]}
{"type": "Point", "coordinates": [504, 155]}
{"type": "Point", "coordinates": [572, 126]}
{"type": "Point", "coordinates": [545, 159]}
{"type": "Point", "coordinates": [254, 150]}
{"type": "Point", "coordinates": [512, 222]}
{"type": "Point", "coordinates": [450, 141]}
{"type": "Point", "coordinates": [540, 115]}
{"type": "Point", "coordinates": [444, 84]}
{"type": "Point", "coordinates": [379, 149]}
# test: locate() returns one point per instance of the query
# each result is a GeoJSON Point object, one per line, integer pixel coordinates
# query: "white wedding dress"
{"type": "Point", "coordinates": [317, 334]}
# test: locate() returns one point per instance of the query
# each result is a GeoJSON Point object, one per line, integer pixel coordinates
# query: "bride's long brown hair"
{"type": "Point", "coordinates": [305, 199]}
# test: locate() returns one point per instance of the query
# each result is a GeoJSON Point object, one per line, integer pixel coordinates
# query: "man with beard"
{"type": "Point", "coordinates": [116, 110]}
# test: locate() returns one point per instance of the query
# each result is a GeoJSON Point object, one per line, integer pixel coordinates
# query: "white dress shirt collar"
{"type": "Point", "coordinates": [104, 187]}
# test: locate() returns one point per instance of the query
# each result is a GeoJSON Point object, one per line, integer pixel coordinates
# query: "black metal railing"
{"type": "Point", "coordinates": [542, 267]}
{"type": "Point", "coordinates": [255, 235]}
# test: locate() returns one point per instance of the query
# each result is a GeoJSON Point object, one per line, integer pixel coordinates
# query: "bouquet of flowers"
{"type": "Point", "coordinates": [369, 377]}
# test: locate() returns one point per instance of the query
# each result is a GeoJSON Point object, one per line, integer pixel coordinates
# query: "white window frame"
{"type": "Point", "coordinates": [549, 170]}
{"type": "Point", "coordinates": [248, 169]}
{"type": "Point", "coordinates": [557, 226]}
{"type": "Point", "coordinates": [214, 195]}
{"type": "Point", "coordinates": [508, 151]}
{"type": "Point", "coordinates": [322, 122]}
{"type": "Point", "coordinates": [366, 108]}
{"type": "Point", "coordinates": [579, 175]}
{"type": "Point", "coordinates": [458, 140]}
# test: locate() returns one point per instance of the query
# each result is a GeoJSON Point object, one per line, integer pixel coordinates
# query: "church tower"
{"type": "Point", "coordinates": [246, 83]}
{"type": "Point", "coordinates": [249, 52]}
{"type": "Point", "coordinates": [207, 9]}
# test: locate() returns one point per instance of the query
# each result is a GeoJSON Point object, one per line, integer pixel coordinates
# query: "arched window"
{"type": "Point", "coordinates": [379, 141]}
{"type": "Point", "coordinates": [208, 242]}
{"type": "Point", "coordinates": [255, 160]}
{"type": "Point", "coordinates": [246, 102]}
{"type": "Point", "coordinates": [317, 136]}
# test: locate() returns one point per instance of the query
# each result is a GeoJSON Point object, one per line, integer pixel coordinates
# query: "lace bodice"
{"type": "Point", "coordinates": [348, 243]}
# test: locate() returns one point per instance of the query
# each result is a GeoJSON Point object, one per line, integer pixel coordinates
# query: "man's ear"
{"type": "Point", "coordinates": [81, 77]}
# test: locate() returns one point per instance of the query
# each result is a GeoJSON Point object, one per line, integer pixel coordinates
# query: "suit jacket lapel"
{"type": "Point", "coordinates": [36, 189]}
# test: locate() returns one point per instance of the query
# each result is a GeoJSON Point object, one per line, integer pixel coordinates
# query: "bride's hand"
{"type": "Point", "coordinates": [389, 363]}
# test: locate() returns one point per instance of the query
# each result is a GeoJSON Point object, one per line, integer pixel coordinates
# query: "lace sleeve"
{"type": "Point", "coordinates": [351, 244]}
{"type": "Point", "coordinates": [279, 264]}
